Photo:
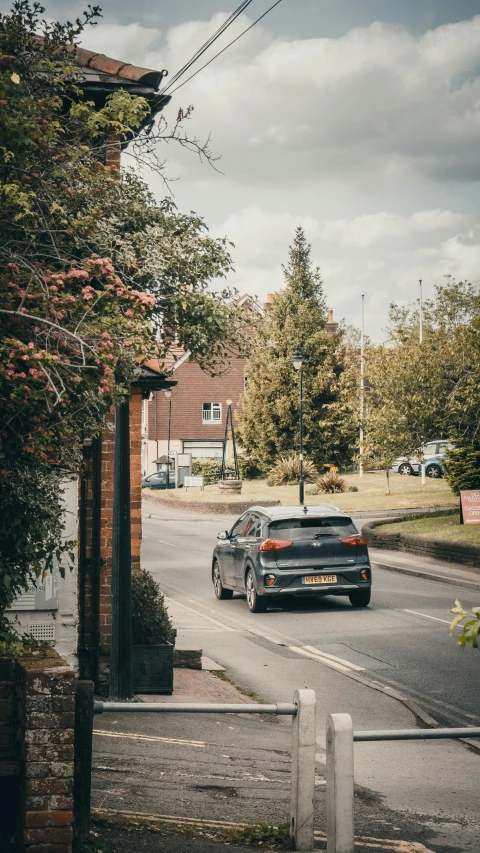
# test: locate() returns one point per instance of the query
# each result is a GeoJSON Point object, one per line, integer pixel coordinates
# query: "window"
{"type": "Point", "coordinates": [238, 529]}
{"type": "Point", "coordinates": [254, 530]}
{"type": "Point", "coordinates": [212, 413]}
{"type": "Point", "coordinates": [312, 528]}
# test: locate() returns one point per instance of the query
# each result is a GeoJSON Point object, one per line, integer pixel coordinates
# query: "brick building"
{"type": "Point", "coordinates": [197, 409]}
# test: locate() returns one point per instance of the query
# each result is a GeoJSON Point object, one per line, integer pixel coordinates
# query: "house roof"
{"type": "Point", "coordinates": [116, 68]}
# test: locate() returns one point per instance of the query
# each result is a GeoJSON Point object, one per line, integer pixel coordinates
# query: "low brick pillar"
{"type": "Point", "coordinates": [43, 723]}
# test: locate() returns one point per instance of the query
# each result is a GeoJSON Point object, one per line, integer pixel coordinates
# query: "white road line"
{"type": "Point", "coordinates": [173, 545]}
{"type": "Point", "coordinates": [319, 659]}
{"type": "Point", "coordinates": [202, 616]}
{"type": "Point", "coordinates": [334, 657]}
{"type": "Point", "coordinates": [198, 743]}
{"type": "Point", "coordinates": [425, 616]}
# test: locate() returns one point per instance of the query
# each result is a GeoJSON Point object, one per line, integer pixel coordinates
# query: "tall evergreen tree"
{"type": "Point", "coordinates": [269, 415]}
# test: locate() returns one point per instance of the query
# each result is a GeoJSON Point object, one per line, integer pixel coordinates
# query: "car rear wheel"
{"type": "Point", "coordinates": [434, 471]}
{"type": "Point", "coordinates": [218, 586]}
{"type": "Point", "coordinates": [360, 598]}
{"type": "Point", "coordinates": [405, 468]}
{"type": "Point", "coordinates": [256, 604]}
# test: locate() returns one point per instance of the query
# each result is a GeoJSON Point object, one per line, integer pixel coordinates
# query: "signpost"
{"type": "Point", "coordinates": [470, 507]}
{"type": "Point", "coordinates": [193, 481]}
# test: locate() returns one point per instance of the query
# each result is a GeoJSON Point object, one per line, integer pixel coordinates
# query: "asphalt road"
{"type": "Point", "coordinates": [354, 659]}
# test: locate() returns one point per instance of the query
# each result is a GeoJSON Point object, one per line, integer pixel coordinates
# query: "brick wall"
{"type": "Point", "coordinates": [39, 717]}
{"type": "Point", "coordinates": [194, 388]}
{"type": "Point", "coordinates": [136, 475]}
{"type": "Point", "coordinates": [453, 552]}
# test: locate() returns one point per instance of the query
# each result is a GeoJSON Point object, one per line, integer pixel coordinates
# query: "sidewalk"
{"type": "Point", "coordinates": [455, 574]}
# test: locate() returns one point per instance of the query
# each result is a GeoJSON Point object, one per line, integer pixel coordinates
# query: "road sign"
{"type": "Point", "coordinates": [470, 506]}
{"type": "Point", "coordinates": [193, 481]}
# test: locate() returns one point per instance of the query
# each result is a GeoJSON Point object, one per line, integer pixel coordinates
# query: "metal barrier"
{"type": "Point", "coordinates": [303, 712]}
{"type": "Point", "coordinates": [340, 778]}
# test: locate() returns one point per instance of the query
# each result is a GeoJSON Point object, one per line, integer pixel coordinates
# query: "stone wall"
{"type": "Point", "coordinates": [36, 761]}
{"type": "Point", "coordinates": [439, 549]}
{"type": "Point", "coordinates": [204, 507]}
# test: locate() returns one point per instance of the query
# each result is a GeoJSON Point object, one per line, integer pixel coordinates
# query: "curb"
{"type": "Point", "coordinates": [204, 507]}
{"type": "Point", "coordinates": [445, 550]}
{"type": "Point", "coordinates": [402, 570]}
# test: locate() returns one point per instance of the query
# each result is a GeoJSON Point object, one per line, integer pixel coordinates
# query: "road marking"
{"type": "Point", "coordinates": [435, 619]}
{"type": "Point", "coordinates": [173, 545]}
{"type": "Point", "coordinates": [334, 657]}
{"type": "Point", "coordinates": [319, 659]}
{"type": "Point", "coordinates": [383, 844]}
{"type": "Point", "coordinates": [198, 743]}
{"type": "Point", "coordinates": [202, 616]}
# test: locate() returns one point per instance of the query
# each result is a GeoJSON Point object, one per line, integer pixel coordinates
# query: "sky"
{"type": "Point", "coordinates": [358, 119]}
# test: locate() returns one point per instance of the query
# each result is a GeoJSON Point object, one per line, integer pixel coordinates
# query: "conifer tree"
{"type": "Point", "coordinates": [269, 415]}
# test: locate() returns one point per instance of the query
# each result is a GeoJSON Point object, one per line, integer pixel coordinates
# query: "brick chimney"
{"type": "Point", "coordinates": [268, 304]}
{"type": "Point", "coordinates": [331, 326]}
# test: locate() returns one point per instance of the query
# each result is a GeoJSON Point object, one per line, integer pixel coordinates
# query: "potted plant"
{"type": "Point", "coordinates": [153, 637]}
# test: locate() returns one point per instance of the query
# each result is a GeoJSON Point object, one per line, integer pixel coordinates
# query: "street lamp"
{"type": "Point", "coordinates": [298, 360]}
{"type": "Point", "coordinates": [168, 395]}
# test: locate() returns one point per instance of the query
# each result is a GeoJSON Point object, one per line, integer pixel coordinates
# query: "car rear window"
{"type": "Point", "coordinates": [309, 528]}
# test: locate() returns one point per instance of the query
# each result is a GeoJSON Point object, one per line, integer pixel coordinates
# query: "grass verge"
{"type": "Point", "coordinates": [406, 493]}
{"type": "Point", "coordinates": [445, 527]}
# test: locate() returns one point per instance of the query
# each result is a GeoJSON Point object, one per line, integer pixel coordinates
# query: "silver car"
{"type": "Point", "coordinates": [433, 451]}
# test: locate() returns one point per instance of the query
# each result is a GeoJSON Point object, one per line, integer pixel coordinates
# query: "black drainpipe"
{"type": "Point", "coordinates": [96, 561]}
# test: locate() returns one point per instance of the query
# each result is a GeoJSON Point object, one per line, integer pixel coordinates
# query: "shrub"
{"type": "Point", "coordinates": [249, 468]}
{"type": "Point", "coordinates": [462, 469]}
{"type": "Point", "coordinates": [353, 488]}
{"type": "Point", "coordinates": [211, 469]}
{"type": "Point", "coordinates": [330, 483]}
{"type": "Point", "coordinates": [151, 624]}
{"type": "Point", "coordinates": [287, 471]}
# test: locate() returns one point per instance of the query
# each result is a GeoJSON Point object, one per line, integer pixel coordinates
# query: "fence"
{"type": "Point", "coordinates": [340, 742]}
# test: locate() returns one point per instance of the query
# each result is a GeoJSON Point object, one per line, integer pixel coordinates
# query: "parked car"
{"type": "Point", "coordinates": [434, 455]}
{"type": "Point", "coordinates": [274, 552]}
{"type": "Point", "coordinates": [158, 480]}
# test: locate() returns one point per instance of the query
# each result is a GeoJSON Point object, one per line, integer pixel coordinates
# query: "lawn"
{"type": "Point", "coordinates": [406, 492]}
{"type": "Point", "coordinates": [438, 527]}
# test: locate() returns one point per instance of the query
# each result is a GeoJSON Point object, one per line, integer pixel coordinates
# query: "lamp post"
{"type": "Point", "coordinates": [168, 395]}
{"type": "Point", "coordinates": [298, 360]}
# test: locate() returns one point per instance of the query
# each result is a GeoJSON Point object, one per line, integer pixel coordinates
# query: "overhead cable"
{"type": "Point", "coordinates": [226, 47]}
{"type": "Point", "coordinates": [234, 15]}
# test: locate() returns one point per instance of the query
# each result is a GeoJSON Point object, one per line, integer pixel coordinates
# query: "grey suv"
{"type": "Point", "coordinates": [273, 552]}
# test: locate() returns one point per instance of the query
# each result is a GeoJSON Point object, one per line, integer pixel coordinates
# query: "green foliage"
{"type": "Point", "coordinates": [287, 471]}
{"type": "Point", "coordinates": [331, 482]}
{"type": "Point", "coordinates": [262, 834]}
{"type": "Point", "coordinates": [211, 469]}
{"type": "Point", "coordinates": [91, 266]}
{"type": "Point", "coordinates": [462, 469]}
{"type": "Point", "coordinates": [151, 624]}
{"type": "Point", "coordinates": [353, 488]}
{"type": "Point", "coordinates": [468, 636]}
{"type": "Point", "coordinates": [269, 415]}
{"type": "Point", "coordinates": [417, 392]}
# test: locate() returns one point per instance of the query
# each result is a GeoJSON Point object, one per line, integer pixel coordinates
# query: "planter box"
{"type": "Point", "coordinates": [152, 668]}
{"type": "Point", "coordinates": [230, 486]}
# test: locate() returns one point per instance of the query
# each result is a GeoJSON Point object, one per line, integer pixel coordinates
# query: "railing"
{"type": "Point", "coordinates": [340, 741]}
{"type": "Point", "coordinates": [340, 779]}
{"type": "Point", "coordinates": [303, 712]}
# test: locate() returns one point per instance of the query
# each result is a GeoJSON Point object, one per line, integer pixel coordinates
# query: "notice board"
{"type": "Point", "coordinates": [470, 506]}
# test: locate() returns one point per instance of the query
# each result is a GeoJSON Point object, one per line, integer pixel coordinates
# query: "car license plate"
{"type": "Point", "coordinates": [320, 579]}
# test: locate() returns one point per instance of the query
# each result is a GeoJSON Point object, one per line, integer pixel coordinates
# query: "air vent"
{"type": "Point", "coordinates": [42, 630]}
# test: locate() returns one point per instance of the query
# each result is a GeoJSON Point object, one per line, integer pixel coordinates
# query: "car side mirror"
{"type": "Point", "coordinates": [223, 535]}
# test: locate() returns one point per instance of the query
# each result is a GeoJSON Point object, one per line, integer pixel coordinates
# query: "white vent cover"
{"type": "Point", "coordinates": [42, 630]}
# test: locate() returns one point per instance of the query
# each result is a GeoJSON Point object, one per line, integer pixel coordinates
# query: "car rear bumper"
{"type": "Point", "coordinates": [291, 583]}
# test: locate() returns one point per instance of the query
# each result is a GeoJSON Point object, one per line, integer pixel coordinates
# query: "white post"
{"type": "Point", "coordinates": [303, 769]}
{"type": "Point", "coordinates": [339, 784]}
{"type": "Point", "coordinates": [423, 473]}
{"type": "Point", "coordinates": [362, 385]}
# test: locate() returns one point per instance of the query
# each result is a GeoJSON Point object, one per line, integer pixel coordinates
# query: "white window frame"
{"type": "Point", "coordinates": [208, 414]}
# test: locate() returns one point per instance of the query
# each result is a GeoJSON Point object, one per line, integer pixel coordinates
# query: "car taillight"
{"type": "Point", "coordinates": [275, 544]}
{"type": "Point", "coordinates": [355, 539]}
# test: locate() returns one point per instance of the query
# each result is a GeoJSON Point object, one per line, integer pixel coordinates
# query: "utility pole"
{"type": "Point", "coordinates": [362, 384]}
{"type": "Point", "coordinates": [168, 395]}
{"type": "Point", "coordinates": [421, 311]}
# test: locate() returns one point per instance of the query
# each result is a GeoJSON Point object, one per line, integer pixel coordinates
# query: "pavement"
{"type": "Point", "coordinates": [392, 665]}
{"type": "Point", "coordinates": [441, 571]}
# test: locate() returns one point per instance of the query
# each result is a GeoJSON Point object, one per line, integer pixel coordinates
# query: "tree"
{"type": "Point", "coordinates": [269, 415]}
{"type": "Point", "coordinates": [422, 391]}
{"type": "Point", "coordinates": [91, 265]}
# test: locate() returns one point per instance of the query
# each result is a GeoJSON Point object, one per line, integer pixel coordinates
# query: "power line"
{"type": "Point", "coordinates": [234, 15]}
{"type": "Point", "coordinates": [225, 48]}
